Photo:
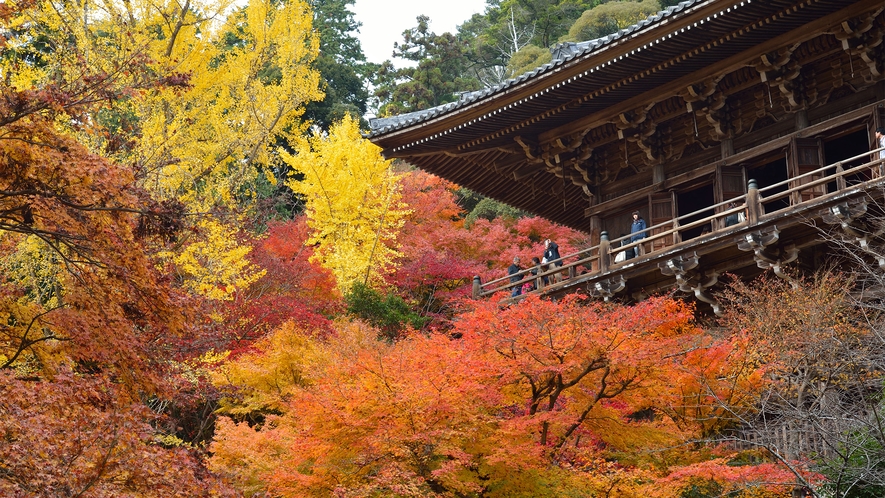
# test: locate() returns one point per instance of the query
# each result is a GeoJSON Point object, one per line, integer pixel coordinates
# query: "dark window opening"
{"type": "Point", "coordinates": [691, 201]}
{"type": "Point", "coordinates": [845, 147]}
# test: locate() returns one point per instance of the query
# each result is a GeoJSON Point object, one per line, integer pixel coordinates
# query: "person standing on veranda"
{"type": "Point", "coordinates": [637, 232]}
{"type": "Point", "coordinates": [734, 218]}
{"type": "Point", "coordinates": [880, 141]}
{"type": "Point", "coordinates": [551, 255]}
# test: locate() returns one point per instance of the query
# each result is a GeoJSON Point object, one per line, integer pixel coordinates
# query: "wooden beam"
{"type": "Point", "coordinates": [806, 32]}
{"type": "Point", "coordinates": [741, 157]}
{"type": "Point", "coordinates": [528, 170]}
{"type": "Point", "coordinates": [507, 163]}
{"type": "Point", "coordinates": [642, 193]}
{"type": "Point", "coordinates": [501, 100]}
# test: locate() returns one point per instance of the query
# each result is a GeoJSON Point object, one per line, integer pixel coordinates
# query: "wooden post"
{"type": "Point", "coordinates": [840, 179]}
{"type": "Point", "coordinates": [754, 206]}
{"type": "Point", "coordinates": [595, 231]}
{"type": "Point", "coordinates": [477, 286]}
{"type": "Point", "coordinates": [802, 119]}
{"type": "Point", "coordinates": [657, 174]}
{"type": "Point", "coordinates": [726, 148]}
{"type": "Point", "coordinates": [604, 252]}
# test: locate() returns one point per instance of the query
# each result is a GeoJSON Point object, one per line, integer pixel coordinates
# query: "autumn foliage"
{"type": "Point", "coordinates": [79, 435]}
{"type": "Point", "coordinates": [100, 332]}
{"type": "Point", "coordinates": [162, 335]}
{"type": "Point", "coordinates": [354, 206]}
{"type": "Point", "coordinates": [536, 395]}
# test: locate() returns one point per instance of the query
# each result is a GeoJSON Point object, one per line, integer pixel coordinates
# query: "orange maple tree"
{"type": "Point", "coordinates": [509, 403]}
{"type": "Point", "coordinates": [78, 435]}
{"type": "Point", "coordinates": [87, 318]}
{"type": "Point", "coordinates": [434, 269]}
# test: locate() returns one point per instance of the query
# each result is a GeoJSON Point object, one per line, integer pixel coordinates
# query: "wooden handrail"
{"type": "Point", "coordinates": [527, 276]}
{"type": "Point", "coordinates": [820, 170]}
{"type": "Point", "coordinates": [840, 173]}
{"type": "Point", "coordinates": [601, 253]}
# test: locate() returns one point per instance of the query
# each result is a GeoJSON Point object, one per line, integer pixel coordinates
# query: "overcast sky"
{"type": "Point", "coordinates": [385, 20]}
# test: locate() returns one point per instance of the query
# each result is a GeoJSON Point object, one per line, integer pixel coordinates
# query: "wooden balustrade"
{"type": "Point", "coordinates": [599, 259]}
{"type": "Point", "coordinates": [790, 441]}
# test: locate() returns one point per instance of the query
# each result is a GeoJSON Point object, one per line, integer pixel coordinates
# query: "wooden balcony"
{"type": "Point", "coordinates": [780, 223]}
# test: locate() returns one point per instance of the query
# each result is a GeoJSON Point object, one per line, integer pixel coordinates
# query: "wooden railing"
{"type": "Point", "coordinates": [800, 190]}
{"type": "Point", "coordinates": [790, 441]}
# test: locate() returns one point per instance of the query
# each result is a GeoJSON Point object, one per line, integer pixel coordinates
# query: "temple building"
{"type": "Point", "coordinates": [737, 129]}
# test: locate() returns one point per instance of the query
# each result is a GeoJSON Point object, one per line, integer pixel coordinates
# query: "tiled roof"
{"type": "Point", "coordinates": [562, 53]}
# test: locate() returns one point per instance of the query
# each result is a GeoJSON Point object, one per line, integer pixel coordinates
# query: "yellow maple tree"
{"type": "Point", "coordinates": [353, 203]}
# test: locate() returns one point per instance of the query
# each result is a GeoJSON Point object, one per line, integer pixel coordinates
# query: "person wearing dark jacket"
{"type": "Point", "coordinates": [513, 270]}
{"type": "Point", "coordinates": [551, 255]}
{"type": "Point", "coordinates": [637, 232]}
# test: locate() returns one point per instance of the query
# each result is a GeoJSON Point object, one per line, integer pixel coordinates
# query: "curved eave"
{"type": "Point", "coordinates": [484, 143]}
{"type": "Point", "coordinates": [637, 61]}
{"type": "Point", "coordinates": [533, 84]}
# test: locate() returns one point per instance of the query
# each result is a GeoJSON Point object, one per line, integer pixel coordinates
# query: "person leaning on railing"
{"type": "Point", "coordinates": [513, 270]}
{"type": "Point", "coordinates": [734, 218]}
{"type": "Point", "coordinates": [551, 256]}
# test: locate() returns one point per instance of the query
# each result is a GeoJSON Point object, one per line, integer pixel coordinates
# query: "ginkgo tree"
{"type": "Point", "coordinates": [92, 334]}
{"type": "Point", "coordinates": [248, 83]}
{"type": "Point", "coordinates": [208, 144]}
{"type": "Point", "coordinates": [192, 97]}
{"type": "Point", "coordinates": [353, 203]}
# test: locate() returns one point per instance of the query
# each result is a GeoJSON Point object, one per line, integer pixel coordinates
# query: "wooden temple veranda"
{"type": "Point", "coordinates": [771, 105]}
